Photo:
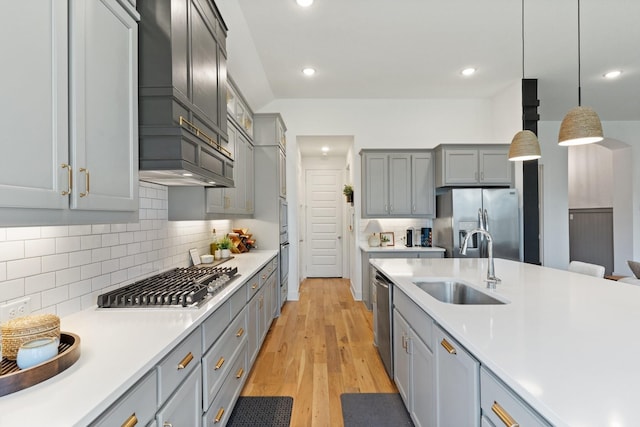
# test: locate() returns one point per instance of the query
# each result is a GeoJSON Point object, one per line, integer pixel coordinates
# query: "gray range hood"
{"type": "Point", "coordinates": [174, 156]}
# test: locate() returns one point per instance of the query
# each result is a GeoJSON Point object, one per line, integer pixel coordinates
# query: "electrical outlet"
{"type": "Point", "coordinates": [15, 309]}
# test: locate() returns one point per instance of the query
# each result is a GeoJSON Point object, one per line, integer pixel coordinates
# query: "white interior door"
{"type": "Point", "coordinates": [324, 223]}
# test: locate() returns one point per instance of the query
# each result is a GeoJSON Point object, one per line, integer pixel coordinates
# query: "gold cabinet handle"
{"type": "Point", "coordinates": [450, 349]}
{"type": "Point", "coordinates": [503, 415]}
{"type": "Point", "coordinates": [187, 359]}
{"type": "Point", "coordinates": [69, 179]}
{"type": "Point", "coordinates": [87, 182]}
{"type": "Point", "coordinates": [167, 424]}
{"type": "Point", "coordinates": [218, 416]}
{"type": "Point", "coordinates": [219, 364]}
{"type": "Point", "coordinates": [239, 373]}
{"type": "Point", "coordinates": [240, 332]}
{"type": "Point", "coordinates": [131, 421]}
{"type": "Point", "coordinates": [255, 285]}
{"type": "Point", "coordinates": [264, 276]}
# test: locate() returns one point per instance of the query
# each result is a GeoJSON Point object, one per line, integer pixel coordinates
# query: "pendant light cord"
{"type": "Point", "coordinates": [579, 65]}
{"type": "Point", "coordinates": [522, 39]}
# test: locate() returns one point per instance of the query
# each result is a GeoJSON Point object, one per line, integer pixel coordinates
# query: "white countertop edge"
{"type": "Point", "coordinates": [78, 407]}
{"type": "Point", "coordinates": [399, 248]}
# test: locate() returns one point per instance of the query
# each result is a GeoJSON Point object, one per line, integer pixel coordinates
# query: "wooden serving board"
{"type": "Point", "coordinates": [13, 379]}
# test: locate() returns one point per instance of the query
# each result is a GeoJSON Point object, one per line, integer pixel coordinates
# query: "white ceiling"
{"type": "Point", "coordinates": [416, 49]}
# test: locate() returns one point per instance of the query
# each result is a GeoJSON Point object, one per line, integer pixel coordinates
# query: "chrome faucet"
{"type": "Point", "coordinates": [491, 280]}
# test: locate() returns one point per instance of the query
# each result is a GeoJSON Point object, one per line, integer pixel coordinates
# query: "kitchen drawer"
{"type": "Point", "coordinates": [420, 321]}
{"type": "Point", "coordinates": [217, 362]}
{"type": "Point", "coordinates": [219, 411]}
{"type": "Point", "coordinates": [184, 358]}
{"type": "Point", "coordinates": [139, 403]}
{"type": "Point", "coordinates": [184, 407]}
{"type": "Point", "coordinates": [215, 324]}
{"type": "Point", "coordinates": [494, 395]}
{"type": "Point", "coordinates": [266, 272]}
{"type": "Point", "coordinates": [238, 301]}
{"type": "Point", "coordinates": [253, 286]}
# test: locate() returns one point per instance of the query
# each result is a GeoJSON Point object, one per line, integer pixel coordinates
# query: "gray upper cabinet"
{"type": "Point", "coordinates": [76, 149]}
{"type": "Point", "coordinates": [397, 184]}
{"type": "Point", "coordinates": [473, 165]}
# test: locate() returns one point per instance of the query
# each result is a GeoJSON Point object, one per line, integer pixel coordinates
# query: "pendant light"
{"type": "Point", "coordinates": [524, 145]}
{"type": "Point", "coordinates": [581, 125]}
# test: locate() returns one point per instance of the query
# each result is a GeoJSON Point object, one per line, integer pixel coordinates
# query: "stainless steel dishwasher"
{"type": "Point", "coordinates": [383, 320]}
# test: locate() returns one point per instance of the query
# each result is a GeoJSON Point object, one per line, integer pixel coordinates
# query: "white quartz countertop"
{"type": "Point", "coordinates": [118, 346]}
{"type": "Point", "coordinates": [565, 342]}
{"type": "Point", "coordinates": [399, 248]}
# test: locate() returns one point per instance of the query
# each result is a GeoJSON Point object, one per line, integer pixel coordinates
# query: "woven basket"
{"type": "Point", "coordinates": [16, 332]}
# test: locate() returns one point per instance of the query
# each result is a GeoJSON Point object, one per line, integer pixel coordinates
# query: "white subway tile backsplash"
{"type": "Point", "coordinates": [39, 247]}
{"type": "Point", "coordinates": [55, 262]}
{"type": "Point", "coordinates": [23, 268]}
{"type": "Point", "coordinates": [11, 250]}
{"type": "Point", "coordinates": [64, 268]}
{"type": "Point", "coordinates": [68, 275]}
{"type": "Point", "coordinates": [11, 289]}
{"type": "Point", "coordinates": [39, 283]}
{"type": "Point", "coordinates": [23, 233]}
{"type": "Point", "coordinates": [67, 244]}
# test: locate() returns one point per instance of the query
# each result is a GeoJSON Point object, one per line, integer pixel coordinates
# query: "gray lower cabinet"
{"type": "Point", "coordinates": [82, 69]}
{"type": "Point", "coordinates": [198, 382]}
{"type": "Point", "coordinates": [457, 383]}
{"type": "Point", "coordinates": [501, 406]}
{"type": "Point", "coordinates": [414, 361]}
{"type": "Point", "coordinates": [397, 184]}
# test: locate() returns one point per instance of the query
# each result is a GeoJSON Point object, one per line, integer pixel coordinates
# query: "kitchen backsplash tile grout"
{"type": "Point", "coordinates": [64, 268]}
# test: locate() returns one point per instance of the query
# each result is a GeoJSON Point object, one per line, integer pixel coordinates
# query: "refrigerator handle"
{"type": "Point", "coordinates": [480, 220]}
{"type": "Point", "coordinates": [485, 220]}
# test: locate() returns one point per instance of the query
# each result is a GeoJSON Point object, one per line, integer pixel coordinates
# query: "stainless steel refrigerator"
{"type": "Point", "coordinates": [459, 210]}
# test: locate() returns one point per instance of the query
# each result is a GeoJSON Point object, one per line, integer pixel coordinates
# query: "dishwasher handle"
{"type": "Point", "coordinates": [382, 281]}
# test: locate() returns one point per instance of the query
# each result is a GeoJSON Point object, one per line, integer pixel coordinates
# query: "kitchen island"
{"type": "Point", "coordinates": [119, 347]}
{"type": "Point", "coordinates": [564, 342]}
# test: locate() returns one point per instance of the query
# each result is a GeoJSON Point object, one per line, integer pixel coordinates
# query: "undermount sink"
{"type": "Point", "coordinates": [453, 292]}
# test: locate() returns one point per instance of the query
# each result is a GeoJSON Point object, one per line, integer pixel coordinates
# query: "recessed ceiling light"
{"type": "Point", "coordinates": [212, 182]}
{"type": "Point", "coordinates": [304, 3]}
{"type": "Point", "coordinates": [612, 74]}
{"type": "Point", "coordinates": [325, 149]}
{"type": "Point", "coordinates": [308, 71]}
{"type": "Point", "coordinates": [468, 71]}
{"type": "Point", "coordinates": [187, 174]}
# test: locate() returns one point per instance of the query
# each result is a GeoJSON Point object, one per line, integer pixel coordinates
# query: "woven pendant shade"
{"type": "Point", "coordinates": [581, 125]}
{"type": "Point", "coordinates": [524, 146]}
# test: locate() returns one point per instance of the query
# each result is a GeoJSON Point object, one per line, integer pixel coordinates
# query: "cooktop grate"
{"type": "Point", "coordinates": [180, 287]}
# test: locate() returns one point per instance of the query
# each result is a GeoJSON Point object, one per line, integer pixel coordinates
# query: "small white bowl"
{"type": "Point", "coordinates": [206, 259]}
{"type": "Point", "coordinates": [36, 351]}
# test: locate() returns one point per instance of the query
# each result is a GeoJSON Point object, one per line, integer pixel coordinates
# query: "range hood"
{"type": "Point", "coordinates": [182, 155]}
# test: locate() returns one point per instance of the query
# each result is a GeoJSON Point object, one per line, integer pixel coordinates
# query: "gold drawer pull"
{"type": "Point", "coordinates": [240, 373]}
{"type": "Point", "coordinates": [69, 179]}
{"type": "Point", "coordinates": [503, 415]}
{"type": "Point", "coordinates": [240, 332]}
{"type": "Point", "coordinates": [450, 349]}
{"type": "Point", "coordinates": [131, 421]}
{"type": "Point", "coordinates": [87, 181]}
{"type": "Point", "coordinates": [255, 285]}
{"type": "Point", "coordinates": [264, 276]}
{"type": "Point", "coordinates": [187, 359]}
{"type": "Point", "coordinates": [219, 364]}
{"type": "Point", "coordinates": [167, 424]}
{"type": "Point", "coordinates": [218, 416]}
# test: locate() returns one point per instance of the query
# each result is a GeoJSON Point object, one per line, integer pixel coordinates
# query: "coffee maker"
{"type": "Point", "coordinates": [409, 238]}
{"type": "Point", "coordinates": [426, 237]}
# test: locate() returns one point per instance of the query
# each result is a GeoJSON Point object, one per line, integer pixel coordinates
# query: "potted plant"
{"type": "Point", "coordinates": [348, 191]}
{"type": "Point", "coordinates": [224, 245]}
{"type": "Point", "coordinates": [384, 240]}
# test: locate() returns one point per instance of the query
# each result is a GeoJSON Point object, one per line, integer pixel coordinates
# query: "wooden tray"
{"type": "Point", "coordinates": [13, 379]}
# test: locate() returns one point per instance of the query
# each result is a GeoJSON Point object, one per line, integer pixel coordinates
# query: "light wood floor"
{"type": "Point", "coordinates": [319, 348]}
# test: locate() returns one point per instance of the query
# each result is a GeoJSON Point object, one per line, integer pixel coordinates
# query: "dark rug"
{"type": "Point", "coordinates": [264, 411]}
{"type": "Point", "coordinates": [374, 410]}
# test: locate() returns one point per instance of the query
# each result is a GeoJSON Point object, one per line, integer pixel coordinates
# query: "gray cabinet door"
{"type": "Point", "coordinates": [204, 66]}
{"type": "Point", "coordinates": [401, 358]}
{"type": "Point", "coordinates": [184, 408]}
{"type": "Point", "coordinates": [30, 168]}
{"type": "Point", "coordinates": [376, 181]}
{"type": "Point", "coordinates": [461, 166]}
{"type": "Point", "coordinates": [458, 383]}
{"type": "Point", "coordinates": [249, 179]}
{"type": "Point", "coordinates": [422, 185]}
{"type": "Point", "coordinates": [282, 173]}
{"type": "Point", "coordinates": [104, 106]}
{"type": "Point", "coordinates": [399, 184]}
{"type": "Point", "coordinates": [495, 167]}
{"type": "Point", "coordinates": [423, 397]}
